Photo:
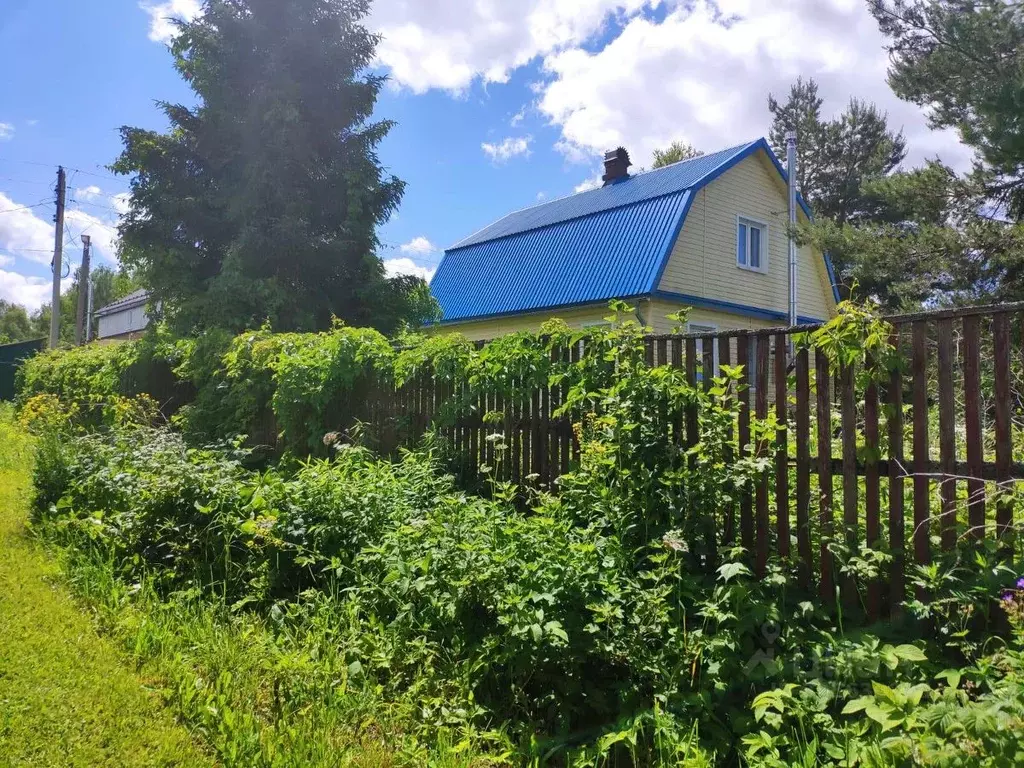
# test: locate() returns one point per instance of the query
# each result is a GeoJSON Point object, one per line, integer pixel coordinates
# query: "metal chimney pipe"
{"type": "Point", "coordinates": [791, 173]}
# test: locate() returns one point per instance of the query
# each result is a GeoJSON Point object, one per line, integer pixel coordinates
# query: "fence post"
{"type": "Point", "coordinates": [896, 474]}
{"type": "Point", "coordinates": [947, 434]}
{"type": "Point", "coordinates": [729, 526]}
{"type": "Point", "coordinates": [743, 393]}
{"type": "Point", "coordinates": [761, 411]}
{"type": "Point", "coordinates": [782, 446]}
{"type": "Point", "coordinates": [1004, 445]}
{"type": "Point", "coordinates": [922, 462]}
{"type": "Point", "coordinates": [826, 584]}
{"type": "Point", "coordinates": [850, 491]}
{"type": "Point", "coordinates": [872, 483]}
{"type": "Point", "coordinates": [803, 466]}
{"type": "Point", "coordinates": [972, 417]}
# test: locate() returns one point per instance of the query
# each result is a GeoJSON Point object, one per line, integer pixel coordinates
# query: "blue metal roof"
{"type": "Point", "coordinates": [633, 189]}
{"type": "Point", "coordinates": [606, 243]}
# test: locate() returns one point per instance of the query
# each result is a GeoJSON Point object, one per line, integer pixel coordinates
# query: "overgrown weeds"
{"type": "Point", "coordinates": [616, 621]}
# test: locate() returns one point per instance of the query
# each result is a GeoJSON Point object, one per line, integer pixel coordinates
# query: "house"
{"type": "Point", "coordinates": [124, 319]}
{"type": "Point", "coordinates": [708, 233]}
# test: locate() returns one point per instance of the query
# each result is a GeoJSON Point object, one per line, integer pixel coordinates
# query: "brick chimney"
{"type": "Point", "coordinates": [616, 165]}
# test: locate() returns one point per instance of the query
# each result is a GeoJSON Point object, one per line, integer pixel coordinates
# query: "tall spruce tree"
{"type": "Point", "coordinates": [263, 200]}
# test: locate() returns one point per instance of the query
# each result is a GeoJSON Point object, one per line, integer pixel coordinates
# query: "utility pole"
{"type": "Point", "coordinates": [88, 315]}
{"type": "Point", "coordinates": [83, 291]}
{"type": "Point", "coordinates": [58, 253]}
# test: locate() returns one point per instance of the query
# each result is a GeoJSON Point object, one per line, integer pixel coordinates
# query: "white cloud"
{"type": "Point", "coordinates": [30, 292]}
{"type": "Point", "coordinates": [450, 43]}
{"type": "Point", "coordinates": [25, 233]}
{"type": "Point", "coordinates": [102, 231]}
{"type": "Point", "coordinates": [6, 131]}
{"type": "Point", "coordinates": [419, 246]}
{"type": "Point", "coordinates": [6, 261]}
{"type": "Point", "coordinates": [161, 16]}
{"type": "Point", "coordinates": [406, 266]}
{"type": "Point", "coordinates": [587, 184]}
{"type": "Point", "coordinates": [653, 83]}
{"type": "Point", "coordinates": [507, 148]}
{"type": "Point", "coordinates": [702, 73]}
{"type": "Point", "coordinates": [542, 196]}
{"type": "Point", "coordinates": [518, 117]}
{"type": "Point", "coordinates": [88, 193]}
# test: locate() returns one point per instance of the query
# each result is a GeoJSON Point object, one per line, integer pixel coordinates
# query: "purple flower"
{"type": "Point", "coordinates": [1008, 597]}
{"type": "Point", "coordinates": [1020, 583]}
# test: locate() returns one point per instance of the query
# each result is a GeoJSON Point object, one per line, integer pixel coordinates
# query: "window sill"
{"type": "Point", "coordinates": [756, 270]}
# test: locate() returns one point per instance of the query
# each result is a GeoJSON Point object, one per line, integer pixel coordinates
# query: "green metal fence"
{"type": "Point", "coordinates": [11, 356]}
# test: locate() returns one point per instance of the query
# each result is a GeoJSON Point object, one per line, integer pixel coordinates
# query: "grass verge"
{"type": "Point", "coordinates": [252, 692]}
{"type": "Point", "coordinates": [65, 697]}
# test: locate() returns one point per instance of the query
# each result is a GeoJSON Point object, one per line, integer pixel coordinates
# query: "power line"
{"type": "Point", "coordinates": [54, 165]}
{"type": "Point", "coordinates": [33, 250]}
{"type": "Point", "coordinates": [27, 207]}
{"type": "Point", "coordinates": [36, 182]}
{"type": "Point", "coordinates": [94, 205]}
{"type": "Point", "coordinates": [67, 231]}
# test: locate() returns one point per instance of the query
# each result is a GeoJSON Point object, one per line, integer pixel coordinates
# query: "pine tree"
{"type": "Point", "coordinates": [801, 112]}
{"type": "Point", "coordinates": [834, 157]}
{"type": "Point", "coordinates": [964, 62]}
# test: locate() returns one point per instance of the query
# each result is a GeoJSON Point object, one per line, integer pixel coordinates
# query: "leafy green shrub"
{"type": "Point", "coordinates": [322, 381]}
{"type": "Point", "coordinates": [84, 379]}
{"type": "Point", "coordinates": [104, 384]}
{"type": "Point", "coordinates": [564, 622]}
{"type": "Point", "coordinates": [234, 382]}
{"type": "Point", "coordinates": [300, 385]}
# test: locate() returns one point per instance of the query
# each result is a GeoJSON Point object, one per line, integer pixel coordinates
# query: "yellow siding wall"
{"type": "Point", "coordinates": [654, 313]}
{"type": "Point", "coordinates": [703, 262]}
{"type": "Point", "coordinates": [481, 330]}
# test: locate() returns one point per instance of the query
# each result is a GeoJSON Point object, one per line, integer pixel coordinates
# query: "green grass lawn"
{"type": "Point", "coordinates": [66, 698]}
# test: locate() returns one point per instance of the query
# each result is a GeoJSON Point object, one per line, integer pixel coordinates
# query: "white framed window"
{"type": "Point", "coordinates": [704, 328]}
{"type": "Point", "coordinates": [751, 244]}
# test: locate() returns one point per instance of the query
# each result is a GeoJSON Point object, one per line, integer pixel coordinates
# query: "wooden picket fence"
{"type": "Point", "coordinates": [842, 463]}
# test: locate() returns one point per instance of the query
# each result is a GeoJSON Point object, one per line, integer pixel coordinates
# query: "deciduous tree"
{"type": "Point", "coordinates": [675, 152]}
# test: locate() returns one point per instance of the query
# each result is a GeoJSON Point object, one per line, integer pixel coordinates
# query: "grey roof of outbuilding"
{"type": "Point", "coordinates": [132, 300]}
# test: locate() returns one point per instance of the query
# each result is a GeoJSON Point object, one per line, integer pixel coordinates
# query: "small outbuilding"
{"type": "Point", "coordinates": [124, 319]}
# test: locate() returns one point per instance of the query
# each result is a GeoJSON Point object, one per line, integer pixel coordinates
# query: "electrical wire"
{"type": "Point", "coordinates": [95, 205]}
{"type": "Point", "coordinates": [27, 181]}
{"type": "Point", "coordinates": [70, 236]}
{"type": "Point", "coordinates": [27, 207]}
{"type": "Point", "coordinates": [55, 165]}
{"type": "Point", "coordinates": [35, 250]}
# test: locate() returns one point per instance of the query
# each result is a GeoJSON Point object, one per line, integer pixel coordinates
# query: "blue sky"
{"type": "Point", "coordinates": [498, 105]}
